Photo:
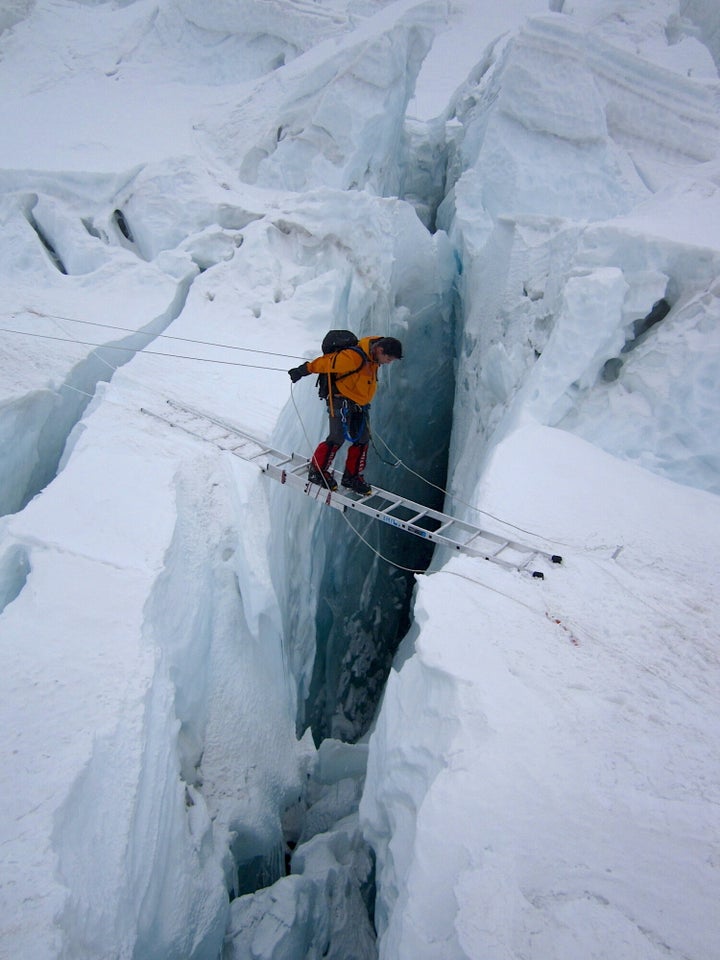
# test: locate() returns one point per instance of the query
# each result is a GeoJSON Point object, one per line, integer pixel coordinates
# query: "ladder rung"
{"type": "Point", "coordinates": [443, 526]}
{"type": "Point", "coordinates": [498, 550]}
{"type": "Point", "coordinates": [278, 463]}
{"type": "Point", "coordinates": [241, 446]}
{"type": "Point", "coordinates": [401, 505]}
{"type": "Point", "coordinates": [391, 506]}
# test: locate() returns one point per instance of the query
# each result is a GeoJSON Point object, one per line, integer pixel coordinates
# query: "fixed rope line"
{"type": "Point", "coordinates": [164, 336]}
{"type": "Point", "coordinates": [56, 321]}
{"type": "Point", "coordinates": [393, 563]}
{"type": "Point", "coordinates": [67, 386]}
{"type": "Point", "coordinates": [143, 351]}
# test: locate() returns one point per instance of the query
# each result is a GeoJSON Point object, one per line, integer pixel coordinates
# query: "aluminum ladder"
{"type": "Point", "coordinates": [391, 508]}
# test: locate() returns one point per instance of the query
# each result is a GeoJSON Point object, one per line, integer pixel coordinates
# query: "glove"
{"type": "Point", "coordinates": [298, 372]}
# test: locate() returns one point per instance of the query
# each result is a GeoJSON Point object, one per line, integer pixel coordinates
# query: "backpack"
{"type": "Point", "coordinates": [333, 342]}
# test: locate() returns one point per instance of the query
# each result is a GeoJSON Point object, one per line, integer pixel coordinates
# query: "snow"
{"type": "Point", "coordinates": [191, 196]}
{"type": "Point", "coordinates": [573, 765]}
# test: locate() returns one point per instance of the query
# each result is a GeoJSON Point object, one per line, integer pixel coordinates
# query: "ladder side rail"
{"type": "Point", "coordinates": [498, 549]}
{"type": "Point", "coordinates": [513, 544]}
{"type": "Point", "coordinates": [518, 565]}
{"type": "Point", "coordinates": [459, 547]}
{"type": "Point", "coordinates": [385, 516]}
{"type": "Point", "coordinates": [226, 425]}
{"type": "Point", "coordinates": [292, 463]}
{"type": "Point", "coordinates": [436, 514]}
{"type": "Point", "coordinates": [444, 518]}
{"type": "Point", "coordinates": [287, 469]}
{"type": "Point", "coordinates": [340, 502]}
{"type": "Point", "coordinates": [446, 521]}
{"type": "Point", "coordinates": [437, 536]}
{"type": "Point", "coordinates": [264, 448]}
{"type": "Point", "coordinates": [478, 532]}
{"type": "Point", "coordinates": [200, 414]}
{"type": "Point", "coordinates": [186, 428]}
{"type": "Point", "coordinates": [280, 463]}
{"type": "Point", "coordinates": [312, 490]}
{"type": "Point", "coordinates": [262, 452]}
{"type": "Point", "coordinates": [421, 510]}
{"type": "Point", "coordinates": [444, 526]}
{"type": "Point", "coordinates": [433, 536]}
{"type": "Point", "coordinates": [498, 544]}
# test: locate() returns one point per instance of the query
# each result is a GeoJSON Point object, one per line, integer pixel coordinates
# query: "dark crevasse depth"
{"type": "Point", "coordinates": [365, 598]}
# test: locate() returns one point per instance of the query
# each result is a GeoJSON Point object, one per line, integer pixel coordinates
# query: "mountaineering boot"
{"type": "Point", "coordinates": [357, 484]}
{"type": "Point", "coordinates": [322, 478]}
{"type": "Point", "coordinates": [319, 470]}
{"type": "Point", "coordinates": [353, 477]}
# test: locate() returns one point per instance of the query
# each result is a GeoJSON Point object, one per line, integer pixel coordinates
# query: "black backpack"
{"type": "Point", "coordinates": [333, 342]}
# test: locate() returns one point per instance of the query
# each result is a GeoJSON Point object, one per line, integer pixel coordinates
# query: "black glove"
{"type": "Point", "coordinates": [298, 372]}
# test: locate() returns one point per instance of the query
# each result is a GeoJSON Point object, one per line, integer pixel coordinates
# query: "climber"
{"type": "Point", "coordinates": [348, 386]}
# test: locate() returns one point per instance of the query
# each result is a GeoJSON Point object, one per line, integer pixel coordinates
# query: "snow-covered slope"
{"type": "Point", "coordinates": [568, 805]}
{"type": "Point", "coordinates": [191, 196]}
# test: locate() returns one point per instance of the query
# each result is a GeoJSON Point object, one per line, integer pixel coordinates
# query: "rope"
{"type": "Point", "coordinates": [302, 424]}
{"type": "Point", "coordinates": [154, 353]}
{"type": "Point", "coordinates": [67, 386]}
{"type": "Point", "coordinates": [393, 563]}
{"type": "Point", "coordinates": [624, 654]}
{"type": "Point", "coordinates": [158, 336]}
{"type": "Point", "coordinates": [397, 463]}
{"type": "Point", "coordinates": [500, 593]}
{"type": "Point", "coordinates": [388, 463]}
{"type": "Point", "coordinates": [102, 359]}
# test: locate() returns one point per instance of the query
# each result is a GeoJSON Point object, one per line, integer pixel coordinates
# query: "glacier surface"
{"type": "Point", "coordinates": [238, 725]}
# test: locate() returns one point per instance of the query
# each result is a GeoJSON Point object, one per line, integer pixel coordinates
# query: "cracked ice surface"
{"type": "Point", "coordinates": [214, 186]}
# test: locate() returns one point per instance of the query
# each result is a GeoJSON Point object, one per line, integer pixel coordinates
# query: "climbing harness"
{"type": "Point", "coordinates": [346, 416]}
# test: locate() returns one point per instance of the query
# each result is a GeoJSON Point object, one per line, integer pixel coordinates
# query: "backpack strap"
{"type": "Point", "coordinates": [363, 359]}
{"type": "Point", "coordinates": [334, 377]}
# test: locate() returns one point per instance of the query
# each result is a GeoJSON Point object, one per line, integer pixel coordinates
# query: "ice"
{"type": "Point", "coordinates": [293, 133]}
{"type": "Point", "coordinates": [143, 740]}
{"type": "Point", "coordinates": [704, 16]}
{"type": "Point", "coordinates": [321, 908]}
{"type": "Point", "coordinates": [459, 46]}
{"type": "Point", "coordinates": [190, 197]}
{"type": "Point", "coordinates": [13, 575]}
{"type": "Point", "coordinates": [558, 791]}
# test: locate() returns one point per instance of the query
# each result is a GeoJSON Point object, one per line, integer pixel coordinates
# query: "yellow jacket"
{"type": "Point", "coordinates": [361, 382]}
